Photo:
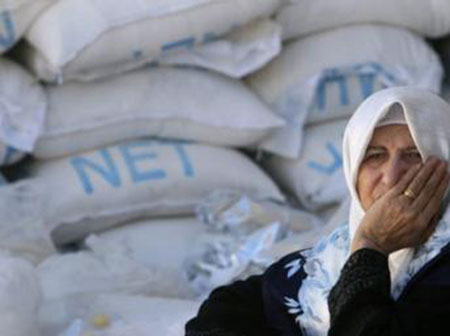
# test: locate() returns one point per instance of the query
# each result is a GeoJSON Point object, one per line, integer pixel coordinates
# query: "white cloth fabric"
{"type": "Point", "coordinates": [428, 118]}
{"type": "Point", "coordinates": [394, 117]}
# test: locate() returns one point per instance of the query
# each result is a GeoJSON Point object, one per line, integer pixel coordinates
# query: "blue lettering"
{"type": "Point", "coordinates": [109, 173]}
{"type": "Point", "coordinates": [332, 76]}
{"type": "Point", "coordinates": [8, 39]}
{"type": "Point", "coordinates": [184, 157]}
{"type": "Point", "coordinates": [333, 166]}
{"type": "Point", "coordinates": [131, 160]}
{"type": "Point", "coordinates": [367, 73]}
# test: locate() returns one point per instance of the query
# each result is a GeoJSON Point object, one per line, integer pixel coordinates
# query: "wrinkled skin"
{"type": "Point", "coordinates": [391, 165]}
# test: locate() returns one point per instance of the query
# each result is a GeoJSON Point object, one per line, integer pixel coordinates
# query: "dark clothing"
{"type": "Point", "coordinates": [360, 303]}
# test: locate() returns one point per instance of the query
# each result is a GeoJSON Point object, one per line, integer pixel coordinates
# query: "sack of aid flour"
{"type": "Point", "coordinates": [185, 104]}
{"type": "Point", "coordinates": [327, 75]}
{"type": "Point", "coordinates": [93, 191]}
{"type": "Point", "coordinates": [316, 178]}
{"type": "Point", "coordinates": [114, 35]}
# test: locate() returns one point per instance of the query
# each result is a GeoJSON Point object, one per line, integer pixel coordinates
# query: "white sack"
{"type": "Point", "coordinates": [104, 268]}
{"type": "Point", "coordinates": [114, 36]}
{"type": "Point", "coordinates": [327, 75]}
{"type": "Point", "coordinates": [20, 298]}
{"type": "Point", "coordinates": [317, 177]}
{"type": "Point", "coordinates": [161, 245]}
{"type": "Point", "coordinates": [15, 17]}
{"type": "Point", "coordinates": [185, 104]}
{"type": "Point", "coordinates": [96, 190]}
{"type": "Point", "coordinates": [116, 315]}
{"type": "Point", "coordinates": [301, 17]}
{"type": "Point", "coordinates": [159, 242]}
{"type": "Point", "coordinates": [22, 231]}
{"type": "Point", "coordinates": [237, 54]}
{"type": "Point", "coordinates": [22, 109]}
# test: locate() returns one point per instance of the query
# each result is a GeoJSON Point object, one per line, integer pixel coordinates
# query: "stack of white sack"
{"type": "Point", "coordinates": [114, 35]}
{"type": "Point", "coordinates": [159, 256]}
{"type": "Point", "coordinates": [327, 75]}
{"type": "Point", "coordinates": [140, 258]}
{"type": "Point", "coordinates": [22, 110]}
{"type": "Point", "coordinates": [187, 104]}
{"type": "Point", "coordinates": [316, 84]}
{"type": "Point", "coordinates": [303, 17]}
{"type": "Point", "coordinates": [98, 189]}
{"type": "Point", "coordinates": [15, 18]}
{"type": "Point", "coordinates": [116, 315]}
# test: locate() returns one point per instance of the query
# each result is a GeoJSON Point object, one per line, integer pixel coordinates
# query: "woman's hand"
{"type": "Point", "coordinates": [407, 214]}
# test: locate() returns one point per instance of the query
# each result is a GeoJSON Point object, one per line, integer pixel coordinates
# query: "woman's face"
{"type": "Point", "coordinates": [390, 153]}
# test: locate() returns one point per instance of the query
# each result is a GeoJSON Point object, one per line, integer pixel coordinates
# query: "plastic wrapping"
{"type": "Point", "coordinates": [228, 211]}
{"type": "Point", "coordinates": [239, 230]}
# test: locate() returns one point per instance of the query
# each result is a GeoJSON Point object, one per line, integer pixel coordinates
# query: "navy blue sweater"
{"type": "Point", "coordinates": [360, 303]}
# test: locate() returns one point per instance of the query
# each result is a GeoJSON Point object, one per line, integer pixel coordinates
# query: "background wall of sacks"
{"type": "Point", "coordinates": [150, 152]}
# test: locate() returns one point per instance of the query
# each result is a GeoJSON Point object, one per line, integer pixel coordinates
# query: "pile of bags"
{"type": "Point", "coordinates": [152, 151]}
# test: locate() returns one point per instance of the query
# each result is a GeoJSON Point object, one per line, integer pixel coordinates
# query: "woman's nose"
{"type": "Point", "coordinates": [393, 171]}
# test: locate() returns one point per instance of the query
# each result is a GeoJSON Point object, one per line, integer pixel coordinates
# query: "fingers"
{"type": "Point", "coordinates": [418, 183]}
{"type": "Point", "coordinates": [433, 206]}
{"type": "Point", "coordinates": [406, 180]}
{"type": "Point", "coordinates": [430, 187]}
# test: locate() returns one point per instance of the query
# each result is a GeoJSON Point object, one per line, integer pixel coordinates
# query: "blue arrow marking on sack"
{"type": "Point", "coordinates": [331, 168]}
{"type": "Point", "coordinates": [8, 39]}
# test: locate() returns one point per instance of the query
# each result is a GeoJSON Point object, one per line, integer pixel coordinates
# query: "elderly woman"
{"type": "Point", "coordinates": [387, 272]}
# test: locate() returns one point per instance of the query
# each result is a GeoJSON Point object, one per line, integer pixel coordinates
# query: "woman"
{"type": "Point", "coordinates": [387, 272]}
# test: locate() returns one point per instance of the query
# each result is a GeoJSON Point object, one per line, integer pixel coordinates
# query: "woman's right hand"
{"type": "Point", "coordinates": [396, 220]}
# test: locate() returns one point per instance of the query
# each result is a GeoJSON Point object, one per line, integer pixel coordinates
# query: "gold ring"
{"type": "Point", "coordinates": [410, 194]}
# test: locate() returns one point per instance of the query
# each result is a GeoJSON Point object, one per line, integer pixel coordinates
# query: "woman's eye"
{"type": "Point", "coordinates": [374, 156]}
{"type": "Point", "coordinates": [414, 156]}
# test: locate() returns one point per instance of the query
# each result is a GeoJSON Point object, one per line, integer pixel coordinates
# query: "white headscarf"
{"type": "Point", "coordinates": [428, 119]}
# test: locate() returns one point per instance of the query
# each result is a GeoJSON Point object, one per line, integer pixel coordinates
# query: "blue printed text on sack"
{"type": "Point", "coordinates": [368, 75]}
{"type": "Point", "coordinates": [135, 155]}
